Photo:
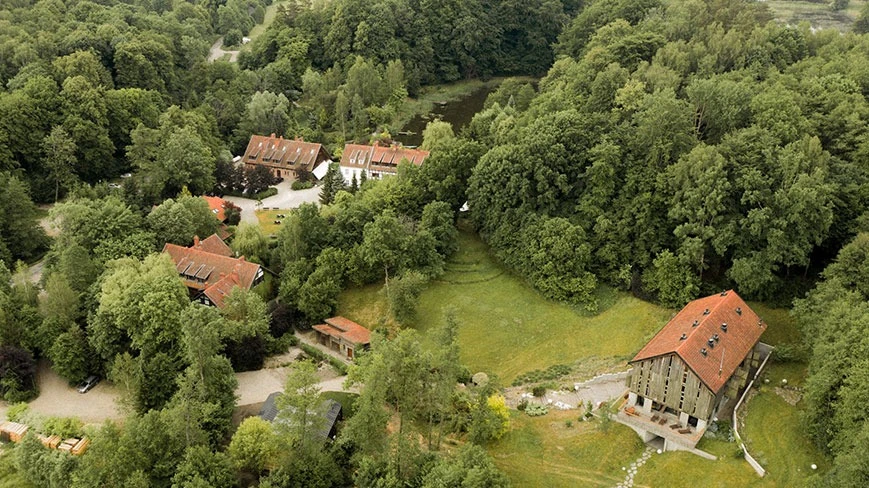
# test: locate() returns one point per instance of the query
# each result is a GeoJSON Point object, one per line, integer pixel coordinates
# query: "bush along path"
{"type": "Point", "coordinates": [632, 469]}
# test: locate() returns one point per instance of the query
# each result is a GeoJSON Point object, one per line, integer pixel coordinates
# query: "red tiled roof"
{"type": "Point", "coordinates": [214, 274]}
{"type": "Point", "coordinates": [216, 204]}
{"type": "Point", "coordinates": [346, 329]}
{"type": "Point", "coordinates": [700, 321]}
{"type": "Point", "coordinates": [284, 153]}
{"type": "Point", "coordinates": [384, 159]}
{"type": "Point", "coordinates": [212, 244]}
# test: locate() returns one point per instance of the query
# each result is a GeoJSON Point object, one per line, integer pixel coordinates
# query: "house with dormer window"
{"type": "Point", "coordinates": [693, 370]}
{"type": "Point", "coordinates": [209, 271]}
{"type": "Point", "coordinates": [376, 161]}
{"type": "Point", "coordinates": [285, 158]}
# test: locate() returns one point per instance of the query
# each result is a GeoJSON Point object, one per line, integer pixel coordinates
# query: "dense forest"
{"type": "Point", "coordinates": [696, 147]}
{"type": "Point", "coordinates": [670, 148]}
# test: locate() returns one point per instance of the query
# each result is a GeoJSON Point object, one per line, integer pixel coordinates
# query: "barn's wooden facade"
{"type": "Point", "coordinates": [696, 364]}
{"type": "Point", "coordinates": [668, 382]}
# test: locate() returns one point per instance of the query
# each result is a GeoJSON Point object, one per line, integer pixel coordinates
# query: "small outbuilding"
{"type": "Point", "coordinates": [343, 336]}
{"type": "Point", "coordinates": [328, 415]}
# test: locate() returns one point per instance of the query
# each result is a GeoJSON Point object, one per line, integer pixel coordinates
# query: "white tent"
{"type": "Point", "coordinates": [320, 171]}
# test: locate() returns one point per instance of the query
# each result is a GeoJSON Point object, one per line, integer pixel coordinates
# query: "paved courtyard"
{"type": "Point", "coordinates": [285, 199]}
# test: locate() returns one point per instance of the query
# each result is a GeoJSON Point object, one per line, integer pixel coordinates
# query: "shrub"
{"type": "Point", "coordinates": [551, 373]}
{"type": "Point", "coordinates": [65, 427]}
{"type": "Point", "coordinates": [536, 410]}
{"type": "Point", "coordinates": [232, 38]}
{"type": "Point", "coordinates": [16, 412]}
{"type": "Point", "coordinates": [319, 355]}
{"type": "Point", "coordinates": [538, 391]}
{"type": "Point", "coordinates": [523, 404]}
{"type": "Point", "coordinates": [785, 353]}
{"type": "Point", "coordinates": [270, 192]}
{"type": "Point", "coordinates": [301, 185]}
{"type": "Point", "coordinates": [568, 423]}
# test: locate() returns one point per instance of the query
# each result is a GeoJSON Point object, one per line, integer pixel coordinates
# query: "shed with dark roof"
{"type": "Point", "coordinates": [328, 415]}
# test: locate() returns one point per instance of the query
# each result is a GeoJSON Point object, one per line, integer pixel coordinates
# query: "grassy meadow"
{"type": "Point", "coordinates": [506, 327]}
{"type": "Point", "coordinates": [267, 220]}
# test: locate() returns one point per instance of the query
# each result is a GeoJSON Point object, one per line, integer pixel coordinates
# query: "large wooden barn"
{"type": "Point", "coordinates": [693, 369]}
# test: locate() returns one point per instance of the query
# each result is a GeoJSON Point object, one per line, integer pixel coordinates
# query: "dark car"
{"type": "Point", "coordinates": [89, 383]}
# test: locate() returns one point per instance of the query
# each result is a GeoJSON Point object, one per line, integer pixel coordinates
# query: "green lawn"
{"type": "Point", "coordinates": [267, 220]}
{"type": "Point", "coordinates": [543, 451]}
{"type": "Point", "coordinates": [781, 326]}
{"type": "Point", "coordinates": [773, 431]}
{"type": "Point", "coordinates": [506, 327]}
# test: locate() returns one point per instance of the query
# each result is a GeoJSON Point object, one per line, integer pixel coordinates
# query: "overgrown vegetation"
{"type": "Point", "coordinates": [673, 167]}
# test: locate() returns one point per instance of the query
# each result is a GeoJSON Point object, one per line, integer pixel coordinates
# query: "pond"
{"type": "Point", "coordinates": [457, 112]}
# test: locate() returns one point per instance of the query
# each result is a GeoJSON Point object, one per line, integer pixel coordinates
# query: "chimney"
{"type": "Point", "coordinates": [241, 258]}
{"type": "Point", "coordinates": [195, 241]}
{"type": "Point", "coordinates": [273, 135]}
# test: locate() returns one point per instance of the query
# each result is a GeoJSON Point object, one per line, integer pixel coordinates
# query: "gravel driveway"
{"type": "Point", "coordinates": [285, 199]}
{"type": "Point", "coordinates": [216, 52]}
{"type": "Point", "coordinates": [255, 386]}
{"type": "Point", "coordinates": [57, 398]}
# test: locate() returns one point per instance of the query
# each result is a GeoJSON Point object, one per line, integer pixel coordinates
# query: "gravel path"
{"type": "Point", "coordinates": [216, 52]}
{"type": "Point", "coordinates": [596, 390]}
{"type": "Point", "coordinates": [57, 398]}
{"type": "Point", "coordinates": [255, 386]}
{"type": "Point", "coordinates": [286, 198]}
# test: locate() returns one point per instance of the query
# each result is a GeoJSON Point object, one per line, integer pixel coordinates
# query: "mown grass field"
{"type": "Point", "coordinates": [267, 220]}
{"type": "Point", "coordinates": [543, 451]}
{"type": "Point", "coordinates": [506, 327]}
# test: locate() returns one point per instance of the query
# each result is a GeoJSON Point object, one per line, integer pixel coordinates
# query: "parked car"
{"type": "Point", "coordinates": [86, 385]}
